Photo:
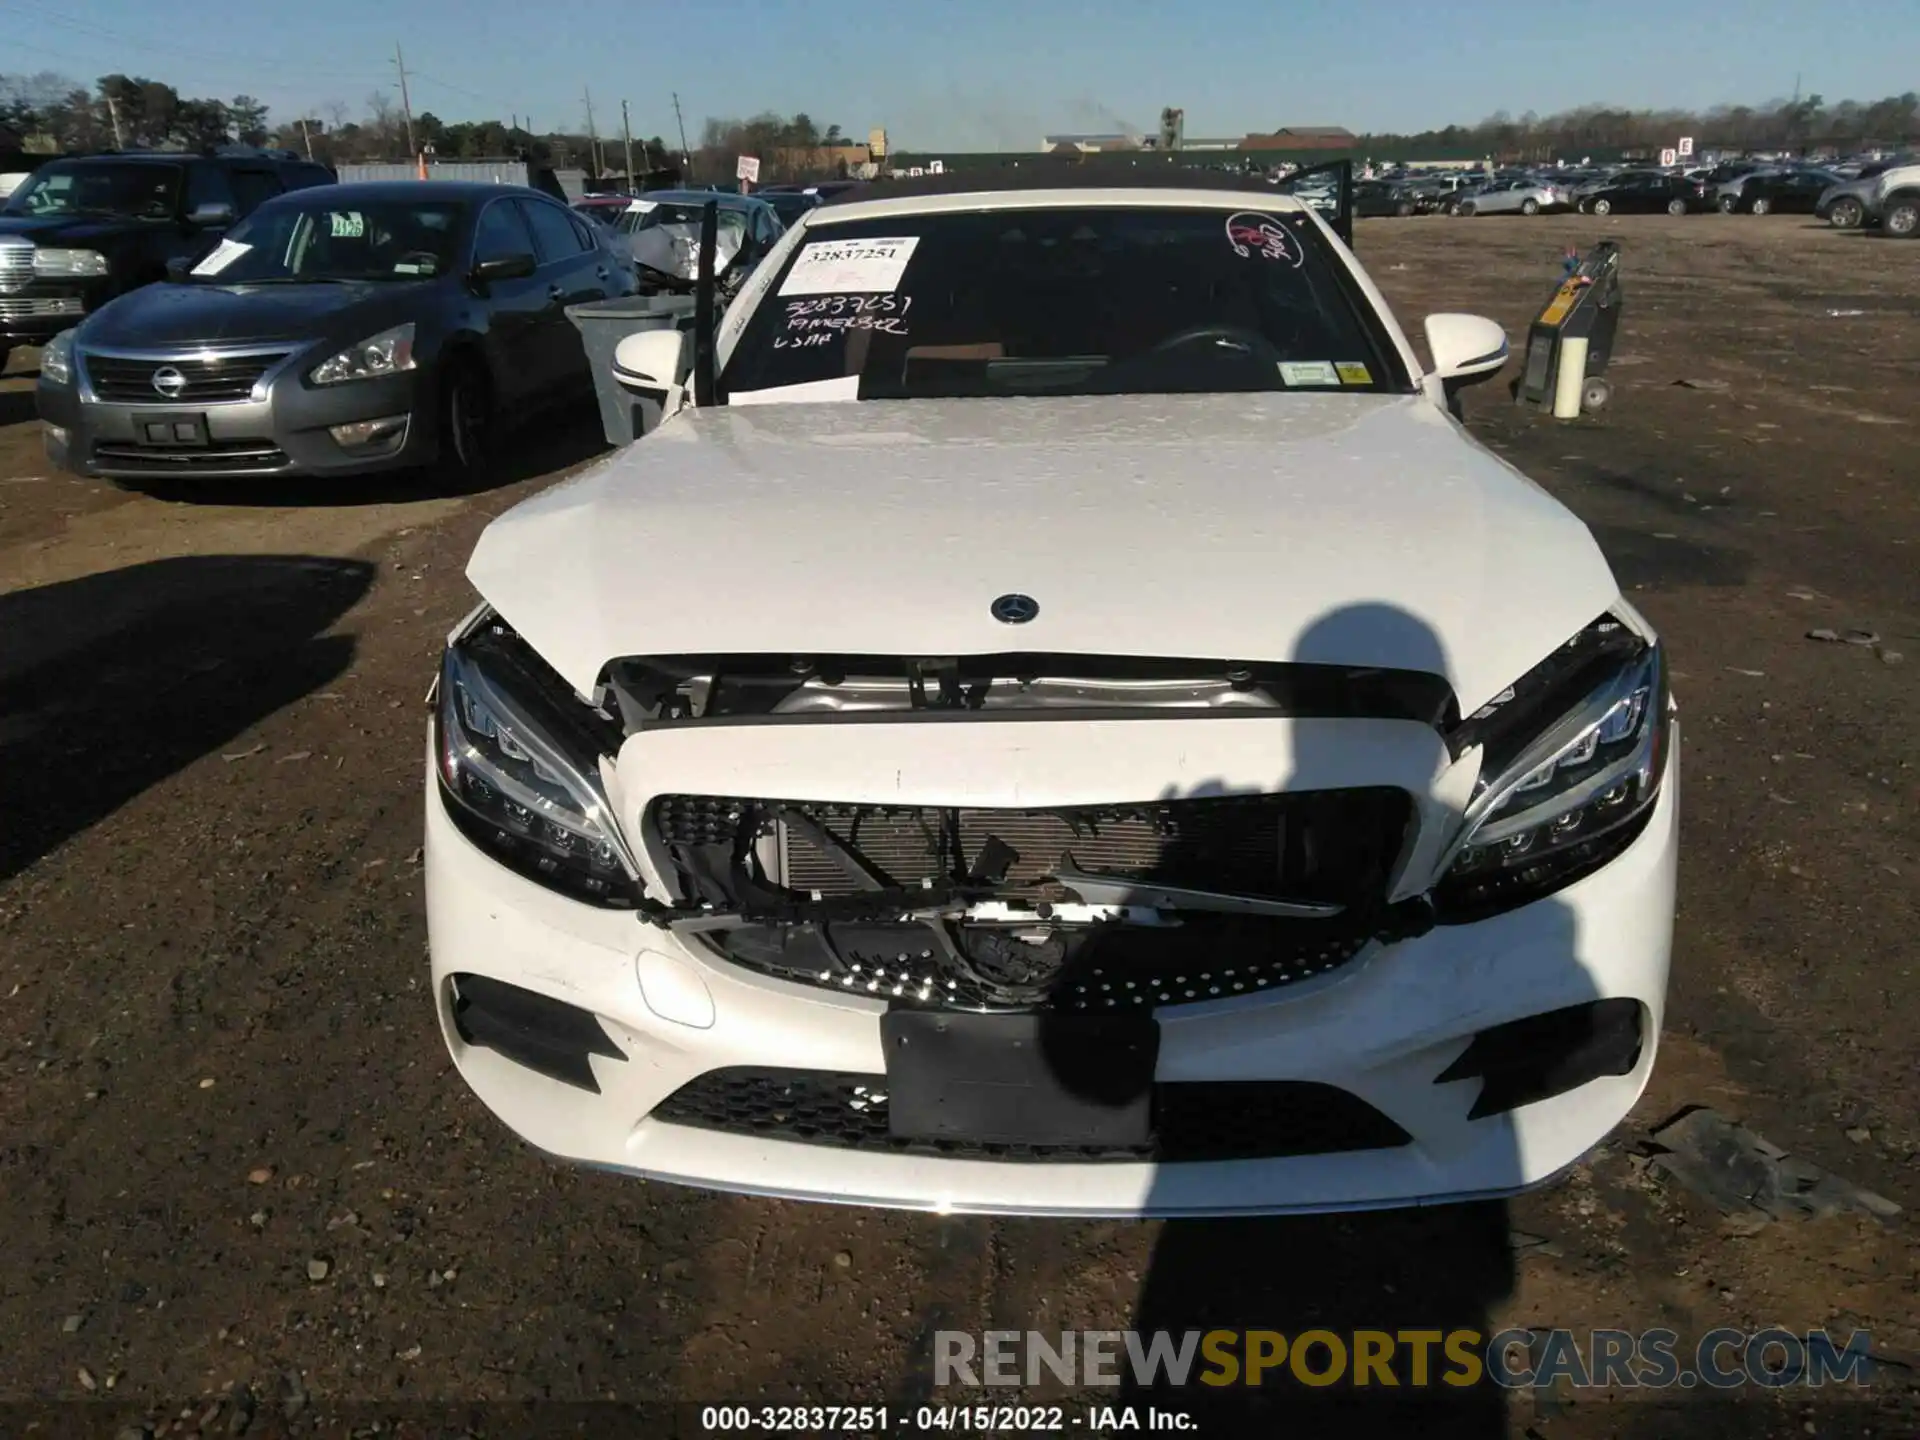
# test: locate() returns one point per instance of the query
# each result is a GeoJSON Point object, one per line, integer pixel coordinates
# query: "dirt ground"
{"type": "Point", "coordinates": [236, 1169]}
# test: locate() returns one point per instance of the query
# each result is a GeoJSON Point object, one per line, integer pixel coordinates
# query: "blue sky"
{"type": "Point", "coordinates": [986, 74]}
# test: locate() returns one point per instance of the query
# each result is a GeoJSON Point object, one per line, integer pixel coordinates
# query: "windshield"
{"type": "Point", "coordinates": [646, 214]}
{"type": "Point", "coordinates": [1066, 301]}
{"type": "Point", "coordinates": [359, 240]}
{"type": "Point", "coordinates": [790, 207]}
{"type": "Point", "coordinates": [136, 191]}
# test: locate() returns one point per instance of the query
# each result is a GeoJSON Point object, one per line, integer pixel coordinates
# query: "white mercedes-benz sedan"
{"type": "Point", "coordinates": [1056, 718]}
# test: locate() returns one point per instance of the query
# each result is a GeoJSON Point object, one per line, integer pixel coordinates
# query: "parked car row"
{"type": "Point", "coordinates": [1848, 195]}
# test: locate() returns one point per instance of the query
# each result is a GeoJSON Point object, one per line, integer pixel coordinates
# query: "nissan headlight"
{"type": "Point", "coordinates": [56, 359]}
{"type": "Point", "coordinates": [68, 264]}
{"type": "Point", "coordinates": [1573, 756]}
{"type": "Point", "coordinates": [387, 353]}
{"type": "Point", "coordinates": [518, 756]}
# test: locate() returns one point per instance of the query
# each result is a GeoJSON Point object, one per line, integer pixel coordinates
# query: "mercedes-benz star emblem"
{"type": "Point", "coordinates": [169, 381]}
{"type": "Point", "coordinates": [1015, 609]}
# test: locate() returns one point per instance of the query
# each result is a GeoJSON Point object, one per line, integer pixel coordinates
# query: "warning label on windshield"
{"type": "Point", "coordinates": [1308, 372]}
{"type": "Point", "coordinates": [850, 267]}
{"type": "Point", "coordinates": [220, 257]}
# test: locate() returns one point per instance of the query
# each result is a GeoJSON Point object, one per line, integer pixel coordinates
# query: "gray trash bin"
{"type": "Point", "coordinates": [603, 324]}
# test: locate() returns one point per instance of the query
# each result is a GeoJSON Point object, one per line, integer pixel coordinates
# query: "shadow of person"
{"type": "Point", "coordinates": [1379, 1032]}
{"type": "Point", "coordinates": [111, 682]}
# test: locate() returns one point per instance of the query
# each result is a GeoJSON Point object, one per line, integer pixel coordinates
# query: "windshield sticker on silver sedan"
{"type": "Point", "coordinates": [220, 257]}
{"type": "Point", "coordinates": [1252, 233]}
{"type": "Point", "coordinates": [838, 267]}
{"type": "Point", "coordinates": [1308, 372]}
{"type": "Point", "coordinates": [1352, 372]}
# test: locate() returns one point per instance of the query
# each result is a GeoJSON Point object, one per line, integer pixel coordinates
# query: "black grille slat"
{"type": "Point", "coordinates": [207, 379]}
{"type": "Point", "coordinates": [1193, 1121]}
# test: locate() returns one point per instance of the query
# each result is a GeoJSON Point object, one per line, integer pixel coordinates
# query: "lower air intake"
{"type": "Point", "coordinates": [1192, 1122]}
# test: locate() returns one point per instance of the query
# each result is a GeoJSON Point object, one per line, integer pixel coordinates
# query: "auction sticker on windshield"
{"type": "Point", "coordinates": [1352, 372]}
{"type": "Point", "coordinates": [220, 257]}
{"type": "Point", "coordinates": [842, 267]}
{"type": "Point", "coordinates": [1308, 372]}
{"type": "Point", "coordinates": [348, 224]}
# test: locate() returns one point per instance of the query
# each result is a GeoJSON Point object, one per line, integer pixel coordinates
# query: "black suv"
{"type": "Point", "coordinates": [82, 230]}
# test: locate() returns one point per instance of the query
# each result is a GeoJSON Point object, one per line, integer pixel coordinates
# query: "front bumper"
{"type": "Point", "coordinates": [282, 429]}
{"type": "Point", "coordinates": [1381, 1028]}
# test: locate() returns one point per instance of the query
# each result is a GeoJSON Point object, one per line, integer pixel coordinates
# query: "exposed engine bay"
{"type": "Point", "coordinates": [1083, 907]}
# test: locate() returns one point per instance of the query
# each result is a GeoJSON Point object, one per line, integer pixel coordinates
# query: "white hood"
{"type": "Point", "coordinates": [1339, 529]}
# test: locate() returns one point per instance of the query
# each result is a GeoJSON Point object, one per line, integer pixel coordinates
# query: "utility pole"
{"type": "Point", "coordinates": [306, 139]}
{"type": "Point", "coordinates": [626, 138]}
{"type": "Point", "coordinates": [593, 135]}
{"type": "Point", "coordinates": [406, 105]}
{"type": "Point", "coordinates": [113, 109]}
{"type": "Point", "coordinates": [686, 155]}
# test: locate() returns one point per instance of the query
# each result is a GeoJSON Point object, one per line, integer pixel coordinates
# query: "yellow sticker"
{"type": "Point", "coordinates": [1562, 302]}
{"type": "Point", "coordinates": [1352, 372]}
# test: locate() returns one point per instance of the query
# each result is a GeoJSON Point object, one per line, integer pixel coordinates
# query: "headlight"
{"type": "Point", "coordinates": [54, 261]}
{"type": "Point", "coordinates": [56, 359]}
{"type": "Point", "coordinates": [1573, 757]}
{"type": "Point", "coordinates": [387, 353]}
{"type": "Point", "coordinates": [519, 759]}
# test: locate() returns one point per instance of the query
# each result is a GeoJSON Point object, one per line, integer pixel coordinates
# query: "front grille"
{"type": "Point", "coordinates": [16, 264]}
{"type": "Point", "coordinates": [221, 455]}
{"type": "Point", "coordinates": [1298, 845]}
{"type": "Point", "coordinates": [806, 921]}
{"type": "Point", "coordinates": [1097, 968]}
{"type": "Point", "coordinates": [203, 379]}
{"type": "Point", "coordinates": [1192, 1121]}
{"type": "Point", "coordinates": [21, 307]}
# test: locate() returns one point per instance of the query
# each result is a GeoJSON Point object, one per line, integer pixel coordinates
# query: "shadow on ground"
{"type": "Point", "coordinates": [16, 407]}
{"type": "Point", "coordinates": [110, 683]}
{"type": "Point", "coordinates": [555, 442]}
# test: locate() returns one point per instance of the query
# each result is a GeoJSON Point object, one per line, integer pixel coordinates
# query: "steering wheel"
{"type": "Point", "coordinates": [1256, 344]}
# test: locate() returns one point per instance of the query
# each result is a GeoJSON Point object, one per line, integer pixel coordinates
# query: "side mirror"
{"type": "Point", "coordinates": [507, 267]}
{"type": "Point", "coordinates": [651, 368]}
{"type": "Point", "coordinates": [1465, 348]}
{"type": "Point", "coordinates": [178, 268]}
{"type": "Point", "coordinates": [211, 214]}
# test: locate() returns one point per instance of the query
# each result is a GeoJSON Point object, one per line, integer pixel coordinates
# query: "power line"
{"type": "Point", "coordinates": [142, 42]}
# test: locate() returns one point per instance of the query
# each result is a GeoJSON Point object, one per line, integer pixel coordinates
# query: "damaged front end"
{"type": "Point", "coordinates": [1081, 907]}
{"type": "Point", "coordinates": [1092, 907]}
{"type": "Point", "coordinates": [927, 892]}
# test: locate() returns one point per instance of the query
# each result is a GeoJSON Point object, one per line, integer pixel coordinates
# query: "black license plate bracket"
{"type": "Point", "coordinates": [1021, 1079]}
{"type": "Point", "coordinates": [171, 430]}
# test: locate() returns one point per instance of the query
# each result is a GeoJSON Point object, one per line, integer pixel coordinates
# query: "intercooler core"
{"type": "Point", "coordinates": [1014, 933]}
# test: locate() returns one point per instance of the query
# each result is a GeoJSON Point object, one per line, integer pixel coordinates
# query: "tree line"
{"type": "Point", "coordinates": [1797, 125]}
{"type": "Point", "coordinates": [132, 112]}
